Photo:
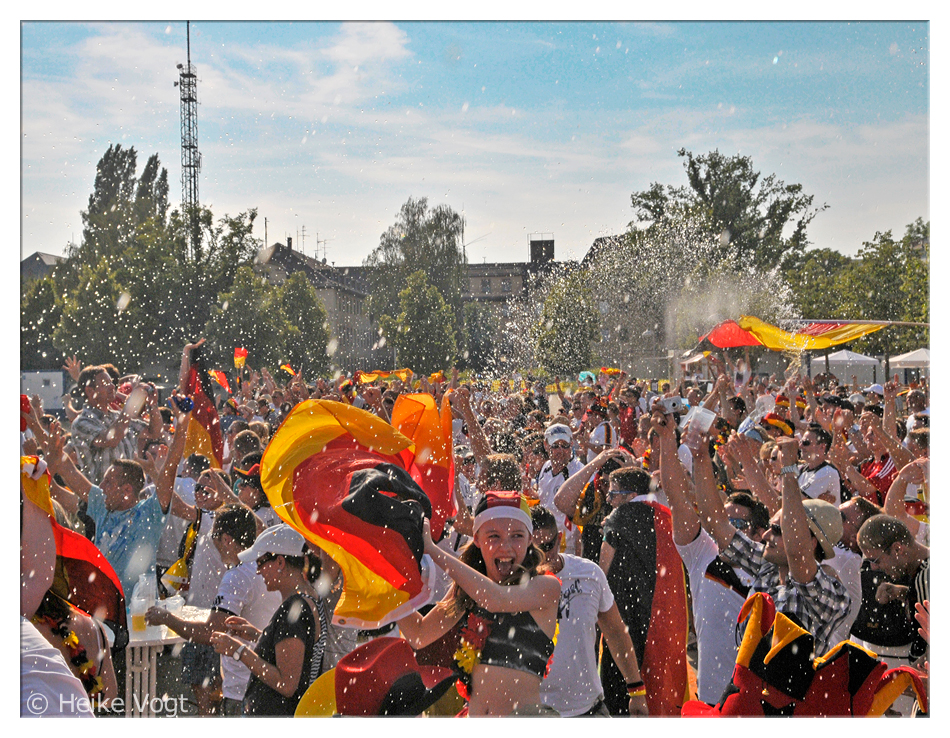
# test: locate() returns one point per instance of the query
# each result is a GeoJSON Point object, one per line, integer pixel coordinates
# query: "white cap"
{"type": "Point", "coordinates": [557, 432]}
{"type": "Point", "coordinates": [877, 389]}
{"type": "Point", "coordinates": [278, 539]}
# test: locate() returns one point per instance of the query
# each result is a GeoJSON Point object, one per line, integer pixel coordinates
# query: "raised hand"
{"type": "Point", "coordinates": [73, 367]}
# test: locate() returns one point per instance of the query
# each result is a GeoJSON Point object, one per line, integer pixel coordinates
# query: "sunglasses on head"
{"type": "Point", "coordinates": [265, 559]}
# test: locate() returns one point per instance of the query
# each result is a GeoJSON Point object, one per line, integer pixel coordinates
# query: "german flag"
{"type": "Point", "coordinates": [204, 429]}
{"type": "Point", "coordinates": [348, 481]}
{"type": "Point", "coordinates": [240, 356]}
{"type": "Point", "coordinates": [221, 378]}
{"type": "Point", "coordinates": [84, 577]}
{"type": "Point", "coordinates": [649, 584]}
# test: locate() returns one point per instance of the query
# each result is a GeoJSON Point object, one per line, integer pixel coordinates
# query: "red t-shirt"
{"type": "Point", "coordinates": [880, 473]}
{"type": "Point", "coordinates": [628, 425]}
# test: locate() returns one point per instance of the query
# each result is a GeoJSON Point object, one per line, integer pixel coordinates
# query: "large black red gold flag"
{"type": "Point", "coordinates": [349, 482]}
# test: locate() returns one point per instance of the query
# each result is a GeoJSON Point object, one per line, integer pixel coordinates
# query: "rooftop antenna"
{"type": "Point", "coordinates": [190, 156]}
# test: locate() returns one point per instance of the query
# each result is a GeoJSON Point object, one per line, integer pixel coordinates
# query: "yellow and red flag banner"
{"type": "Point", "coordinates": [819, 334]}
{"type": "Point", "coordinates": [221, 378]}
{"type": "Point", "coordinates": [240, 355]}
{"type": "Point", "coordinates": [362, 377]}
{"type": "Point", "coordinates": [204, 429]}
{"type": "Point", "coordinates": [610, 371]}
{"type": "Point", "coordinates": [437, 377]}
{"type": "Point", "coordinates": [347, 480]}
{"type": "Point", "coordinates": [286, 368]}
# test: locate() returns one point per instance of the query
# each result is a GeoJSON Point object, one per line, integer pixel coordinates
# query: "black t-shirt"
{"type": "Point", "coordinates": [881, 625]}
{"type": "Point", "coordinates": [295, 618]}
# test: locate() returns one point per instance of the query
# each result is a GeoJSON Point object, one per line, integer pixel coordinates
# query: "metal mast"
{"type": "Point", "coordinates": [190, 156]}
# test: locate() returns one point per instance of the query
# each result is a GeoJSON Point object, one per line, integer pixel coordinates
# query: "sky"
{"type": "Point", "coordinates": [327, 128]}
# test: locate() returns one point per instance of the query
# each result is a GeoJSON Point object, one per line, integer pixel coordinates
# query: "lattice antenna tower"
{"type": "Point", "coordinates": [190, 156]}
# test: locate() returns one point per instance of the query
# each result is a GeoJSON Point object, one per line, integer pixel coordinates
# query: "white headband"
{"type": "Point", "coordinates": [502, 511]}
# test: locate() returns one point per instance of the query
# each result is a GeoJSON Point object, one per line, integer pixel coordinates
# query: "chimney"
{"type": "Point", "coordinates": [542, 249]}
{"type": "Point", "coordinates": [290, 242]}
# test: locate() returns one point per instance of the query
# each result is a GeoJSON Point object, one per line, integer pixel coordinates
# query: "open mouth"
{"type": "Point", "coordinates": [505, 566]}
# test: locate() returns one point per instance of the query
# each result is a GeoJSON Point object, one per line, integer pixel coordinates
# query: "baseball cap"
{"type": "Point", "coordinates": [557, 432]}
{"type": "Point", "coordinates": [278, 539]}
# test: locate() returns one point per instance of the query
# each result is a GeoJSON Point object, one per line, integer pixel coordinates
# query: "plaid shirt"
{"type": "Point", "coordinates": [820, 605]}
{"type": "Point", "coordinates": [89, 425]}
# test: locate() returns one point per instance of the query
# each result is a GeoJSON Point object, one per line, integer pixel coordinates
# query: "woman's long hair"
{"type": "Point", "coordinates": [459, 599]}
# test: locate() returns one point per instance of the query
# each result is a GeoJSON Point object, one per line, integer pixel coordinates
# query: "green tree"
{"type": "Point", "coordinates": [120, 202]}
{"type": "Point", "coordinates": [308, 327]}
{"type": "Point", "coordinates": [40, 313]}
{"type": "Point", "coordinates": [481, 329]}
{"type": "Point", "coordinates": [95, 324]}
{"type": "Point", "coordinates": [423, 333]}
{"type": "Point", "coordinates": [568, 326]}
{"type": "Point", "coordinates": [889, 280]}
{"type": "Point", "coordinates": [250, 316]}
{"type": "Point", "coordinates": [752, 212]}
{"type": "Point", "coordinates": [430, 239]}
{"type": "Point", "coordinates": [816, 283]}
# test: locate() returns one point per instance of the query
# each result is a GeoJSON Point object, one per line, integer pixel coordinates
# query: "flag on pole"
{"type": "Point", "coordinates": [221, 378]}
{"type": "Point", "coordinates": [204, 427]}
{"type": "Point", "coordinates": [819, 334]}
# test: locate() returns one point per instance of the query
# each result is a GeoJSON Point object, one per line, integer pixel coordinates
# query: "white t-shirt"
{"type": "Point", "coordinates": [573, 685]}
{"type": "Point", "coordinates": [715, 612]}
{"type": "Point", "coordinates": [207, 569]}
{"type": "Point", "coordinates": [47, 686]}
{"type": "Point", "coordinates": [847, 566]}
{"type": "Point", "coordinates": [243, 593]}
{"type": "Point", "coordinates": [548, 485]}
{"type": "Point", "coordinates": [175, 527]}
{"type": "Point", "coordinates": [816, 482]}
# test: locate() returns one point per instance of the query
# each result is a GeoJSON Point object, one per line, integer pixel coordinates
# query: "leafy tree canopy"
{"type": "Point", "coordinates": [423, 333]}
{"type": "Point", "coordinates": [426, 238]}
{"type": "Point", "coordinates": [764, 219]}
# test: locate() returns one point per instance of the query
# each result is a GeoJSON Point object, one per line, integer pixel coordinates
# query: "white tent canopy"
{"type": "Point", "coordinates": [847, 364]}
{"type": "Point", "coordinates": [918, 359]}
{"type": "Point", "coordinates": [850, 357]}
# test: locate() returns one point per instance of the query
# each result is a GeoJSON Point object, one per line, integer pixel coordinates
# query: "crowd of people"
{"type": "Point", "coordinates": [606, 539]}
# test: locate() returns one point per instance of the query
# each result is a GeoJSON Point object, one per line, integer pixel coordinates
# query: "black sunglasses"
{"type": "Point", "coordinates": [739, 523]}
{"type": "Point", "coordinates": [775, 529]}
{"type": "Point", "coordinates": [547, 545]}
{"type": "Point", "coordinates": [202, 488]}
